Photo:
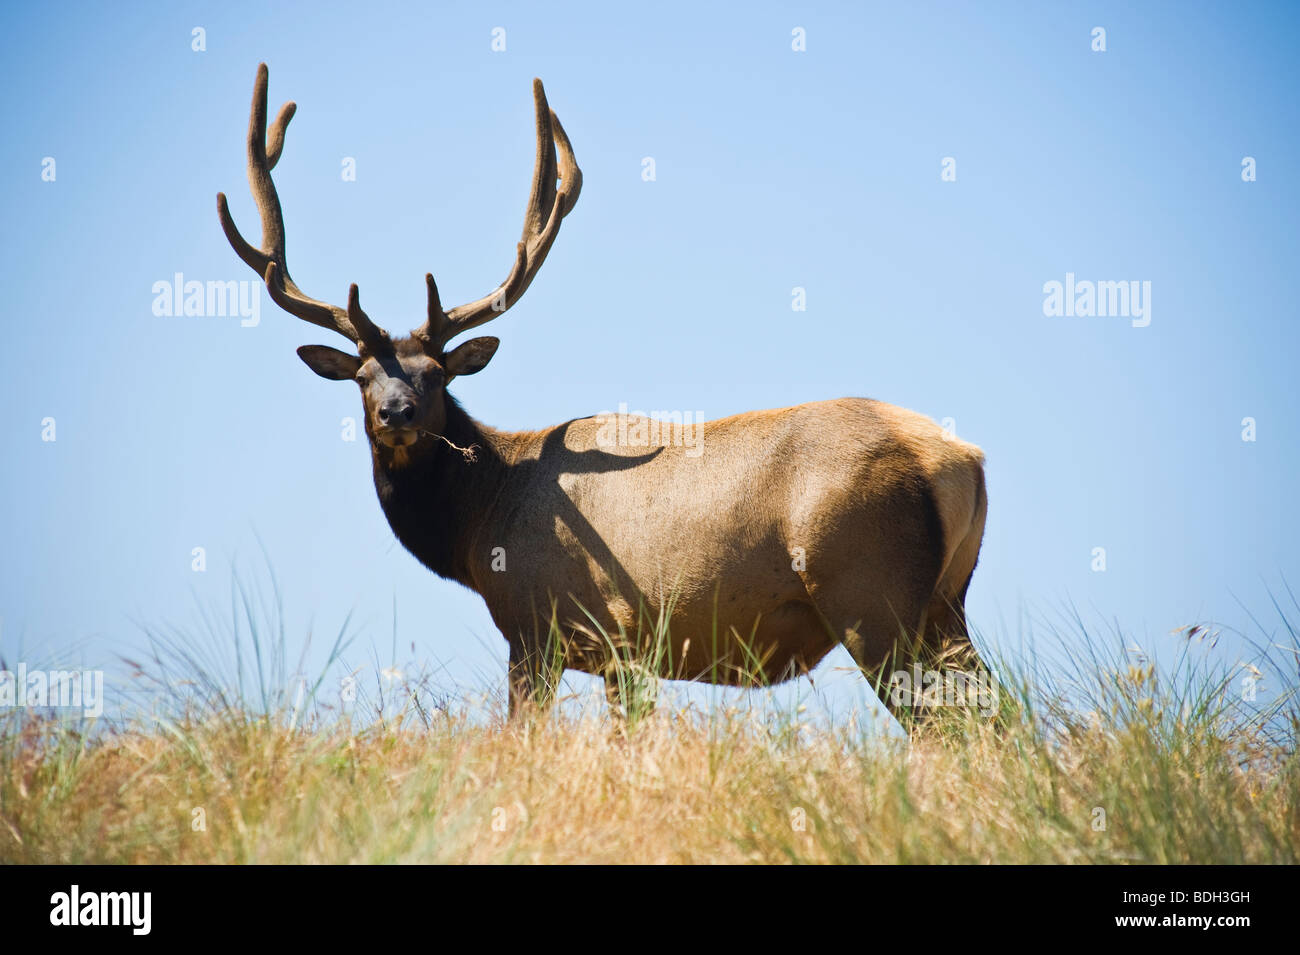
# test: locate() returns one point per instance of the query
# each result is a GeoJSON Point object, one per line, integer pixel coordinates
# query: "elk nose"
{"type": "Point", "coordinates": [397, 411]}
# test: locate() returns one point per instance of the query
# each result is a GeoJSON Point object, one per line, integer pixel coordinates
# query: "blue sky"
{"type": "Point", "coordinates": [775, 169]}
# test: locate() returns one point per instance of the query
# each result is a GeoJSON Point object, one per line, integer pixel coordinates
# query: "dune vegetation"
{"type": "Point", "coordinates": [1117, 761]}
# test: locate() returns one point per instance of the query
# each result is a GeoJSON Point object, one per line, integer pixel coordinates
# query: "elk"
{"type": "Point", "coordinates": [786, 533]}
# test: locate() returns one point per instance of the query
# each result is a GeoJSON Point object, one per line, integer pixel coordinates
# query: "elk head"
{"type": "Point", "coordinates": [402, 380]}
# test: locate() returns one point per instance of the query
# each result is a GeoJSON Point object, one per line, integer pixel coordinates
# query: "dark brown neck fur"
{"type": "Point", "coordinates": [435, 498]}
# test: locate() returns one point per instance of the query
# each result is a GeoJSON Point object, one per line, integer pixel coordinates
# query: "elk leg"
{"type": "Point", "coordinates": [881, 638]}
{"type": "Point", "coordinates": [947, 644]}
{"type": "Point", "coordinates": [533, 676]}
{"type": "Point", "coordinates": [519, 682]}
{"type": "Point", "coordinates": [624, 687]}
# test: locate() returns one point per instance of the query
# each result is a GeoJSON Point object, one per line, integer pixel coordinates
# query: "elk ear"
{"type": "Point", "coordinates": [471, 356]}
{"type": "Point", "coordinates": [329, 362]}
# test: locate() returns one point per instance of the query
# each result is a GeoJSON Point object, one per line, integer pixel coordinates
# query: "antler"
{"type": "Point", "coordinates": [268, 261]}
{"type": "Point", "coordinates": [546, 207]}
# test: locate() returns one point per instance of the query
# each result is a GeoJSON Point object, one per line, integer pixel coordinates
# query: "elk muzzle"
{"type": "Point", "coordinates": [394, 419]}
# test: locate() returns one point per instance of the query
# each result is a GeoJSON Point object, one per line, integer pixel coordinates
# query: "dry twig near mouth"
{"type": "Point", "coordinates": [470, 453]}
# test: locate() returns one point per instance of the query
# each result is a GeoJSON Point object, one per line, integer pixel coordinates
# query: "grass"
{"type": "Point", "coordinates": [1110, 759]}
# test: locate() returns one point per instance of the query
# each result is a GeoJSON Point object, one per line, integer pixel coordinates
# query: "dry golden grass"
{"type": "Point", "coordinates": [678, 787]}
{"type": "Point", "coordinates": [1107, 758]}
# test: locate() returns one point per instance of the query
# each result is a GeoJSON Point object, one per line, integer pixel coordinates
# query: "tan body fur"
{"type": "Point", "coordinates": [786, 531]}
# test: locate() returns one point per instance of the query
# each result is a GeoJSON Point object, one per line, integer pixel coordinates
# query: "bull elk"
{"type": "Point", "coordinates": [848, 521]}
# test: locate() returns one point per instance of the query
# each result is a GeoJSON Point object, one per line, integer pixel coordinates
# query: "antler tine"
{"type": "Point", "coordinates": [269, 261]}
{"type": "Point", "coordinates": [275, 140]}
{"type": "Point", "coordinates": [547, 206]}
{"type": "Point", "coordinates": [542, 195]}
{"type": "Point", "coordinates": [433, 332]}
{"type": "Point", "coordinates": [370, 335]}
